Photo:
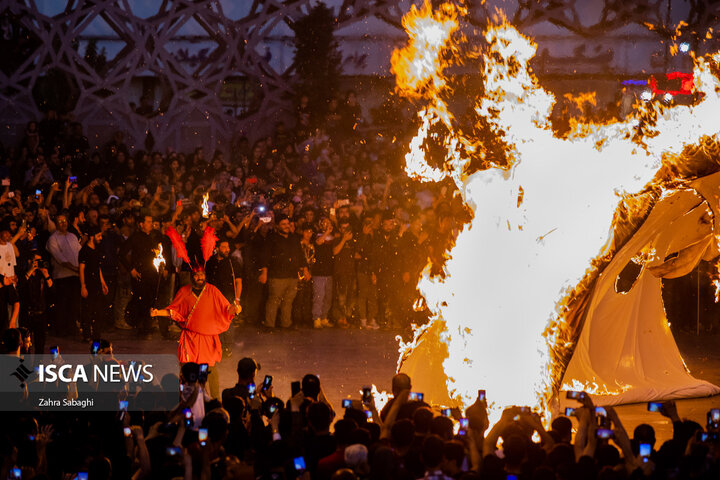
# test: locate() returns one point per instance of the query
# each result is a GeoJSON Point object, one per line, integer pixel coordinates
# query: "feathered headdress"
{"type": "Point", "coordinates": [207, 245]}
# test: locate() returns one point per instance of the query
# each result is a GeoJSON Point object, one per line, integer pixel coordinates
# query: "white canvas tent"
{"type": "Point", "coordinates": [623, 343]}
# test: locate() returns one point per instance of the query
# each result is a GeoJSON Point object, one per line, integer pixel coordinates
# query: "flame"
{"type": "Point", "coordinates": [540, 220]}
{"type": "Point", "coordinates": [205, 209]}
{"type": "Point", "coordinates": [159, 258]}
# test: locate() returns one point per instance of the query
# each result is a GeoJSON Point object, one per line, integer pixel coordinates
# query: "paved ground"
{"type": "Point", "coordinates": [345, 360]}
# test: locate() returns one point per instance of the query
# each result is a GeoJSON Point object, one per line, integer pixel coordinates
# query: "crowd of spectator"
{"type": "Point", "coordinates": [251, 432]}
{"type": "Point", "coordinates": [317, 227]}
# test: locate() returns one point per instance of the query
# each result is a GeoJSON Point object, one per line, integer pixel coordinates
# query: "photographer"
{"type": "Point", "coordinates": [38, 285]}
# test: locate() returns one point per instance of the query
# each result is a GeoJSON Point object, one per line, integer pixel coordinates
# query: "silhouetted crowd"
{"type": "Point", "coordinates": [253, 431]}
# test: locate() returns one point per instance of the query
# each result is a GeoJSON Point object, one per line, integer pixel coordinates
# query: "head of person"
{"type": "Point", "coordinates": [94, 234]}
{"type": "Point", "coordinates": [388, 222]}
{"type": "Point", "coordinates": [562, 430]}
{"type": "Point", "coordinates": [400, 382]}
{"type": "Point", "coordinates": [189, 373]}
{"type": "Point", "coordinates": [12, 341]}
{"type": "Point", "coordinates": [246, 370]}
{"type": "Point", "coordinates": [311, 386]}
{"type": "Point", "coordinates": [432, 452]}
{"type": "Point", "coordinates": [198, 278]}
{"type": "Point", "coordinates": [61, 223]}
{"type": "Point", "coordinates": [307, 233]}
{"type": "Point", "coordinates": [146, 225]}
{"type": "Point", "coordinates": [282, 224]}
{"type": "Point", "coordinates": [224, 248]}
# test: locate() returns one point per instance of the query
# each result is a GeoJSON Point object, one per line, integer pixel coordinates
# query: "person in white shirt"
{"type": "Point", "coordinates": [64, 248]}
{"type": "Point", "coordinates": [8, 251]}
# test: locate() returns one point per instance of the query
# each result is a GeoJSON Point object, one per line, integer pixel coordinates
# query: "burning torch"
{"type": "Point", "coordinates": [205, 209]}
{"type": "Point", "coordinates": [158, 262]}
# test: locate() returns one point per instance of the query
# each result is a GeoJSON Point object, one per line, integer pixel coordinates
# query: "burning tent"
{"type": "Point", "coordinates": [527, 305]}
{"type": "Point", "coordinates": [616, 343]}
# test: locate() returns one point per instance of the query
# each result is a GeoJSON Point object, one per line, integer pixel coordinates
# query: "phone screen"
{"type": "Point", "coordinates": [569, 411]}
{"type": "Point", "coordinates": [645, 449]}
{"type": "Point", "coordinates": [481, 395]}
{"type": "Point", "coordinates": [366, 394]}
{"type": "Point", "coordinates": [267, 382]}
{"type": "Point", "coordinates": [123, 405]}
{"type": "Point", "coordinates": [347, 403]}
{"type": "Point", "coordinates": [127, 432]}
{"type": "Point", "coordinates": [202, 435]}
{"type": "Point", "coordinates": [654, 406]}
{"type": "Point", "coordinates": [299, 463]}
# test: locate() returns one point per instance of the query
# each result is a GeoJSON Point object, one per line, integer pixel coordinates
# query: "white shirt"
{"type": "Point", "coordinates": [7, 260]}
{"type": "Point", "coordinates": [63, 248]}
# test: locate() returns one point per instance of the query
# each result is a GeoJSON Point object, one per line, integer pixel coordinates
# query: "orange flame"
{"type": "Point", "coordinates": [159, 258]}
{"type": "Point", "coordinates": [205, 209]}
{"type": "Point", "coordinates": [539, 222]}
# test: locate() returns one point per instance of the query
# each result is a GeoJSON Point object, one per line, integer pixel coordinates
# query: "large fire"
{"type": "Point", "coordinates": [539, 221]}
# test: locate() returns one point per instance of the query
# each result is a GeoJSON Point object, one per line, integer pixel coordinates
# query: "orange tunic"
{"type": "Point", "coordinates": [202, 319]}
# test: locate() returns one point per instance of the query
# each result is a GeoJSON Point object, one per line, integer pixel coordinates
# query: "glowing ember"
{"type": "Point", "coordinates": [205, 208]}
{"type": "Point", "coordinates": [540, 221]}
{"type": "Point", "coordinates": [159, 258]}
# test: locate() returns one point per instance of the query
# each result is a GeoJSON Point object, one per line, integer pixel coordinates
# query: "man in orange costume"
{"type": "Point", "coordinates": [203, 313]}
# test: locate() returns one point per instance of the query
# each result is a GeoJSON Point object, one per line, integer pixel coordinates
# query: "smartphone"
{"type": "Point", "coordinates": [464, 424]}
{"type": "Point", "coordinates": [654, 406]}
{"type": "Point", "coordinates": [251, 390]}
{"type": "Point", "coordinates": [123, 405]}
{"type": "Point", "coordinates": [703, 437]}
{"type": "Point", "coordinates": [416, 396]}
{"type": "Point", "coordinates": [267, 382]}
{"type": "Point", "coordinates": [446, 412]}
{"type": "Point", "coordinates": [54, 351]}
{"type": "Point", "coordinates": [202, 377]}
{"type": "Point", "coordinates": [187, 413]}
{"type": "Point", "coordinates": [511, 476]}
{"type": "Point", "coordinates": [15, 472]}
{"type": "Point", "coordinates": [11, 194]}
{"type": "Point", "coordinates": [347, 403]}
{"type": "Point", "coordinates": [272, 408]}
{"type": "Point", "coordinates": [295, 388]}
{"type": "Point", "coordinates": [38, 192]}
{"type": "Point", "coordinates": [260, 208]}
{"type": "Point", "coordinates": [369, 415]}
{"type": "Point", "coordinates": [604, 433]}
{"type": "Point", "coordinates": [600, 412]}
{"type": "Point", "coordinates": [360, 191]}
{"type": "Point", "coordinates": [569, 412]}
{"type": "Point", "coordinates": [299, 463]}
{"type": "Point", "coordinates": [367, 394]}
{"type": "Point", "coordinates": [73, 179]}
{"type": "Point", "coordinates": [202, 436]}
{"type": "Point", "coordinates": [95, 347]}
{"type": "Point", "coordinates": [82, 476]}
{"type": "Point", "coordinates": [173, 451]}
{"type": "Point", "coordinates": [575, 395]}
{"type": "Point", "coordinates": [127, 432]}
{"type": "Point", "coordinates": [481, 395]}
{"type": "Point", "coordinates": [714, 415]}
{"type": "Point", "coordinates": [645, 450]}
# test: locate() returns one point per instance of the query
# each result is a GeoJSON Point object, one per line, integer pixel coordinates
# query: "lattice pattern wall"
{"type": "Point", "coordinates": [44, 36]}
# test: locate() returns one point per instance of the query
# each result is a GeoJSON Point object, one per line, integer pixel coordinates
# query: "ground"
{"type": "Point", "coordinates": [346, 360]}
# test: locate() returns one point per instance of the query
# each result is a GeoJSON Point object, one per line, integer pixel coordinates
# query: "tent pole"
{"type": "Point", "coordinates": [698, 300]}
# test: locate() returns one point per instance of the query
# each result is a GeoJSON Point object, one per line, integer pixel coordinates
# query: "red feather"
{"type": "Point", "coordinates": [178, 243]}
{"type": "Point", "coordinates": [207, 243]}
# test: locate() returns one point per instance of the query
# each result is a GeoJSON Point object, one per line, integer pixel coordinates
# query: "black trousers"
{"type": "Point", "coordinates": [143, 297]}
{"type": "Point", "coordinates": [92, 311]}
{"type": "Point", "coordinates": [67, 305]}
{"type": "Point", "coordinates": [37, 323]}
